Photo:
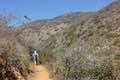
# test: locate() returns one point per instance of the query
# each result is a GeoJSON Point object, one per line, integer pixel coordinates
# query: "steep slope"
{"type": "Point", "coordinates": [99, 30]}
{"type": "Point", "coordinates": [34, 33]}
{"type": "Point", "coordinates": [81, 51]}
{"type": "Point", "coordinates": [76, 48]}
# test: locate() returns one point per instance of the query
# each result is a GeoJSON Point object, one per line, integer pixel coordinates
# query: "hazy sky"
{"type": "Point", "coordinates": [42, 9]}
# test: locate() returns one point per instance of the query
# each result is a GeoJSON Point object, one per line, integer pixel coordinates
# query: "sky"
{"type": "Point", "coordinates": [46, 9]}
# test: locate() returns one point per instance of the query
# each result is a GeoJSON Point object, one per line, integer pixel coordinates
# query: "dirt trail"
{"type": "Point", "coordinates": [40, 73]}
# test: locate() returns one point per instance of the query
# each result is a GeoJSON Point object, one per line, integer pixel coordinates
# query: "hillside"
{"type": "Point", "coordinates": [84, 48]}
{"type": "Point", "coordinates": [74, 46]}
{"type": "Point", "coordinates": [34, 33]}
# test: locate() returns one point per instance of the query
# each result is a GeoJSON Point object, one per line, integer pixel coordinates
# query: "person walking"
{"type": "Point", "coordinates": [35, 57]}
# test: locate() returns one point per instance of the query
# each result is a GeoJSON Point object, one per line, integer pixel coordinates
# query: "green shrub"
{"type": "Point", "coordinates": [103, 72]}
{"type": "Point", "coordinates": [42, 54]}
{"type": "Point", "coordinates": [112, 35]}
{"type": "Point", "coordinates": [69, 37]}
{"type": "Point", "coordinates": [117, 57]}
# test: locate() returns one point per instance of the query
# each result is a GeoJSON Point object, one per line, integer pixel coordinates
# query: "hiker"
{"type": "Point", "coordinates": [35, 57]}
